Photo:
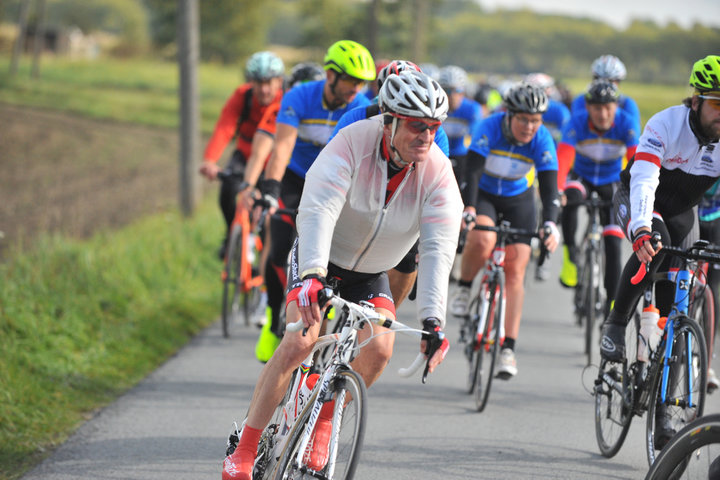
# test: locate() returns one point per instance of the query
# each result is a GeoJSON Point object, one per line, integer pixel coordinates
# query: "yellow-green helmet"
{"type": "Point", "coordinates": [350, 58]}
{"type": "Point", "coordinates": [705, 74]}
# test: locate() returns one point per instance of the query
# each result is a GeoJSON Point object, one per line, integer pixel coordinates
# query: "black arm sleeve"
{"type": "Point", "coordinates": [474, 165]}
{"type": "Point", "coordinates": [549, 195]}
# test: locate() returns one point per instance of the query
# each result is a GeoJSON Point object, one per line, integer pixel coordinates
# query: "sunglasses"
{"type": "Point", "coordinates": [417, 127]}
{"type": "Point", "coordinates": [714, 102]}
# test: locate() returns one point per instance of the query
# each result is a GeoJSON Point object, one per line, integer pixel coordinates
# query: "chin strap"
{"type": "Point", "coordinates": [507, 131]}
{"type": "Point", "coordinates": [396, 157]}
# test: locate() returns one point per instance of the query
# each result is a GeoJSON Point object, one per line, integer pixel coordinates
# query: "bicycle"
{"type": "Point", "coordinates": [284, 441]}
{"type": "Point", "coordinates": [691, 453]}
{"type": "Point", "coordinates": [484, 328]}
{"type": "Point", "coordinates": [590, 296]}
{"type": "Point", "coordinates": [241, 275]}
{"type": "Point", "coordinates": [671, 384]}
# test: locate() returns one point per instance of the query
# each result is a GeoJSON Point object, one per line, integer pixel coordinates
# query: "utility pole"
{"type": "Point", "coordinates": [188, 33]}
{"type": "Point", "coordinates": [39, 44]}
{"type": "Point", "coordinates": [419, 40]}
{"type": "Point", "coordinates": [374, 10]}
{"type": "Point", "coordinates": [20, 40]}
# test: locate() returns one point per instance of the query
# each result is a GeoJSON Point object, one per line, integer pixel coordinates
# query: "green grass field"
{"type": "Point", "coordinates": [146, 92]}
{"type": "Point", "coordinates": [69, 347]}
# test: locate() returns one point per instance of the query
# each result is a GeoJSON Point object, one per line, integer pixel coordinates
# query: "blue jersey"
{"type": "Point", "coordinates": [556, 118]}
{"type": "Point", "coordinates": [709, 207]}
{"type": "Point", "coordinates": [360, 113]}
{"type": "Point", "coordinates": [303, 107]}
{"type": "Point", "coordinates": [460, 125]}
{"type": "Point", "coordinates": [510, 169]}
{"type": "Point", "coordinates": [599, 157]}
{"type": "Point", "coordinates": [625, 103]}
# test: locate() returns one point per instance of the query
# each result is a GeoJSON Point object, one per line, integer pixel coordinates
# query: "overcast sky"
{"type": "Point", "coordinates": [619, 13]}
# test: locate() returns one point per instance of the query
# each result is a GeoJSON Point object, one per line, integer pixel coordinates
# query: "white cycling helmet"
{"type": "Point", "coordinates": [608, 67]}
{"type": "Point", "coordinates": [396, 67]}
{"type": "Point", "coordinates": [542, 80]}
{"type": "Point", "coordinates": [453, 78]}
{"type": "Point", "coordinates": [413, 94]}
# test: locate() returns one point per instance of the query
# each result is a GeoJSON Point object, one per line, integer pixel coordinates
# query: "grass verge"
{"type": "Point", "coordinates": [82, 321]}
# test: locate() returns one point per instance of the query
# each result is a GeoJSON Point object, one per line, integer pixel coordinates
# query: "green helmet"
{"type": "Point", "coordinates": [705, 74]}
{"type": "Point", "coordinates": [350, 58]}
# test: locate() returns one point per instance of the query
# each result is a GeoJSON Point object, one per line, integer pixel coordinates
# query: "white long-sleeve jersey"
{"type": "Point", "coordinates": [343, 217]}
{"type": "Point", "coordinates": [671, 169]}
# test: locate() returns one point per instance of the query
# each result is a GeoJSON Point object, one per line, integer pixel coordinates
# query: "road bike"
{"type": "Point", "coordinates": [241, 276]}
{"type": "Point", "coordinates": [283, 444]}
{"type": "Point", "coordinates": [590, 296]}
{"type": "Point", "coordinates": [693, 453]}
{"type": "Point", "coordinates": [670, 386]}
{"type": "Point", "coordinates": [483, 330]}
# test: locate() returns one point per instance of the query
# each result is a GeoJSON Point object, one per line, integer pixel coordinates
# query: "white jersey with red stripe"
{"type": "Point", "coordinates": [671, 169]}
{"type": "Point", "coordinates": [344, 217]}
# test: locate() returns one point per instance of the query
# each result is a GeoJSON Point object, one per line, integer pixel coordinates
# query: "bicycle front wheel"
{"type": "Point", "coordinates": [472, 345]}
{"type": "Point", "coordinates": [349, 417]}
{"type": "Point", "coordinates": [231, 279]}
{"type": "Point", "coordinates": [684, 396]}
{"type": "Point", "coordinates": [693, 453]}
{"type": "Point", "coordinates": [489, 345]}
{"type": "Point", "coordinates": [614, 398]}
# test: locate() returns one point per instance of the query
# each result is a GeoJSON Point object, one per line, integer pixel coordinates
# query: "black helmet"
{"type": "Point", "coordinates": [602, 91]}
{"type": "Point", "coordinates": [526, 98]}
{"type": "Point", "coordinates": [305, 72]}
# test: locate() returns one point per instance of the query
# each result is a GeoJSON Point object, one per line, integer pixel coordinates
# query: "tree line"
{"type": "Point", "coordinates": [444, 32]}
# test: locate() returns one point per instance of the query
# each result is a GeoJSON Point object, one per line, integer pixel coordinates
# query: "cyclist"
{"type": "Point", "coordinates": [306, 119]}
{"type": "Point", "coordinates": [240, 117]}
{"type": "Point", "coordinates": [403, 276]}
{"type": "Point", "coordinates": [609, 67]}
{"type": "Point", "coordinates": [488, 98]}
{"type": "Point", "coordinates": [464, 116]}
{"type": "Point", "coordinates": [557, 115]}
{"type": "Point", "coordinates": [304, 72]}
{"type": "Point", "coordinates": [379, 185]}
{"type": "Point", "coordinates": [596, 140]}
{"type": "Point", "coordinates": [676, 161]}
{"type": "Point", "coordinates": [508, 149]}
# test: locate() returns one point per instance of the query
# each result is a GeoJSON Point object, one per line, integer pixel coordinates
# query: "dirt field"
{"type": "Point", "coordinates": [70, 174]}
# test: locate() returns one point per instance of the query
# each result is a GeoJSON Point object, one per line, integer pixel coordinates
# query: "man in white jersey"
{"type": "Point", "coordinates": [378, 186]}
{"type": "Point", "coordinates": [677, 160]}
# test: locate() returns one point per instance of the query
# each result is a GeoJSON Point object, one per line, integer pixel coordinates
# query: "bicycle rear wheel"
{"type": "Point", "coordinates": [685, 393]}
{"type": "Point", "coordinates": [349, 393]}
{"type": "Point", "coordinates": [231, 279]}
{"type": "Point", "coordinates": [691, 453]}
{"type": "Point", "coordinates": [614, 398]}
{"type": "Point", "coordinates": [489, 345]}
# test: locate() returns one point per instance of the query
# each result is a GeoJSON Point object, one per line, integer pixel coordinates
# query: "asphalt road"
{"type": "Point", "coordinates": [539, 425]}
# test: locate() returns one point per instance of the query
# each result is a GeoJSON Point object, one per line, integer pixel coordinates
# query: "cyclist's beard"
{"type": "Point", "coordinates": [704, 133]}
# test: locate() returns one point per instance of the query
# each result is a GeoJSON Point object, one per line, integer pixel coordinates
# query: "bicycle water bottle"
{"type": "Point", "coordinates": [648, 338]}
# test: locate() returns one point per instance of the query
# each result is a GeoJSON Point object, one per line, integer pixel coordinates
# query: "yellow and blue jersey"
{"type": "Point", "coordinates": [511, 169]}
{"type": "Point", "coordinates": [304, 108]}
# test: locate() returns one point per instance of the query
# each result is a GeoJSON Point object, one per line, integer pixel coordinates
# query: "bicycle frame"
{"type": "Point", "coordinates": [494, 272]}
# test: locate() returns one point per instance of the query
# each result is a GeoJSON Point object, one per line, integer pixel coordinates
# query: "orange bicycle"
{"type": "Point", "coordinates": [241, 277]}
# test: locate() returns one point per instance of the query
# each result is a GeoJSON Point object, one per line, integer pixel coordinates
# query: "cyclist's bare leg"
{"type": "Point", "coordinates": [275, 376]}
{"type": "Point", "coordinates": [516, 259]}
{"type": "Point", "coordinates": [478, 247]}
{"type": "Point", "coordinates": [374, 356]}
{"type": "Point", "coordinates": [400, 284]}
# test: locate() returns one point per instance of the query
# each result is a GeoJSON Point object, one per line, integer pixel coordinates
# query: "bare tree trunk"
{"type": "Point", "coordinates": [20, 40]}
{"type": "Point", "coordinates": [39, 45]}
{"type": "Point", "coordinates": [188, 34]}
{"type": "Point", "coordinates": [419, 40]}
{"type": "Point", "coordinates": [373, 27]}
